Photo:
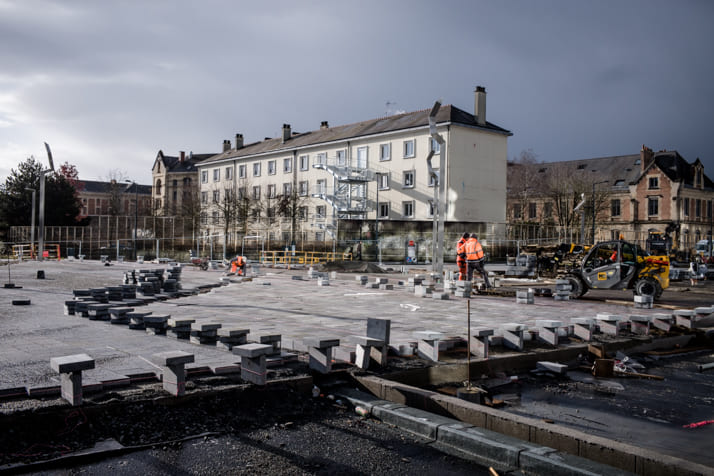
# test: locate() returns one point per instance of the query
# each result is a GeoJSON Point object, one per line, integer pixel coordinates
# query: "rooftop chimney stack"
{"type": "Point", "coordinates": [226, 145]}
{"type": "Point", "coordinates": [646, 156]}
{"type": "Point", "coordinates": [239, 141]}
{"type": "Point", "coordinates": [480, 105]}
{"type": "Point", "coordinates": [324, 125]}
{"type": "Point", "coordinates": [286, 132]}
{"type": "Point", "coordinates": [182, 157]}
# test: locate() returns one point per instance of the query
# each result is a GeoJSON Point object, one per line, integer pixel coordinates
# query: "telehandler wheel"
{"type": "Point", "coordinates": [577, 287]}
{"type": "Point", "coordinates": [647, 287]}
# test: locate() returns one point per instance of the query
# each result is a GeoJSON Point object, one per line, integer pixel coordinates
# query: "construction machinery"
{"type": "Point", "coordinates": [545, 261]}
{"type": "Point", "coordinates": [619, 265]}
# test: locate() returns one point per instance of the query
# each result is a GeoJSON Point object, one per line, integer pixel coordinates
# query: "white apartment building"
{"type": "Point", "coordinates": [352, 178]}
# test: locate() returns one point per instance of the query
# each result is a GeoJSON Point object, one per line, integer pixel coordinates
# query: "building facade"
{"type": "Point", "coordinates": [628, 197]}
{"type": "Point", "coordinates": [174, 182]}
{"type": "Point", "coordinates": [357, 178]}
{"type": "Point", "coordinates": [113, 198]}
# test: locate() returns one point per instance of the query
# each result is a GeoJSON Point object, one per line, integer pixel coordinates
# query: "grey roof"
{"type": "Point", "coordinates": [677, 168]}
{"type": "Point", "coordinates": [94, 186]}
{"type": "Point", "coordinates": [397, 122]}
{"type": "Point", "coordinates": [174, 165]}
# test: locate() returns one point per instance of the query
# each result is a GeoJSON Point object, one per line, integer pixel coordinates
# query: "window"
{"type": "Point", "coordinates": [256, 213]}
{"type": "Point", "coordinates": [174, 195]}
{"type": "Point", "coordinates": [303, 188]}
{"type": "Point", "coordinates": [362, 157]}
{"type": "Point", "coordinates": [228, 193]}
{"type": "Point", "coordinates": [685, 207]}
{"type": "Point", "coordinates": [615, 207]}
{"type": "Point", "coordinates": [256, 192]}
{"type": "Point", "coordinates": [652, 206]}
{"type": "Point", "coordinates": [158, 187]}
{"type": "Point", "coordinates": [302, 213]}
{"type": "Point", "coordinates": [271, 190]}
{"type": "Point", "coordinates": [204, 217]}
{"type": "Point", "coordinates": [270, 212]}
{"type": "Point", "coordinates": [383, 209]}
{"type": "Point", "coordinates": [385, 151]}
{"type": "Point", "coordinates": [204, 197]}
{"type": "Point", "coordinates": [319, 236]}
{"type": "Point", "coordinates": [409, 179]}
{"type": "Point", "coordinates": [304, 162]}
{"type": "Point", "coordinates": [383, 181]}
{"type": "Point", "coordinates": [204, 176]}
{"type": "Point", "coordinates": [434, 145]}
{"type": "Point", "coordinates": [619, 183]}
{"type": "Point", "coordinates": [216, 218]}
{"type": "Point", "coordinates": [242, 171]}
{"type": "Point", "coordinates": [517, 211]}
{"type": "Point", "coordinates": [271, 167]}
{"type": "Point", "coordinates": [697, 208]}
{"type": "Point", "coordinates": [320, 212]}
{"type": "Point", "coordinates": [216, 175]}
{"type": "Point", "coordinates": [322, 186]}
{"type": "Point", "coordinates": [174, 182]}
{"type": "Point", "coordinates": [288, 165]}
{"type": "Point", "coordinates": [321, 158]}
{"type": "Point", "coordinates": [287, 189]}
{"type": "Point", "coordinates": [548, 210]}
{"type": "Point", "coordinates": [241, 193]}
{"type": "Point", "coordinates": [216, 196]}
{"type": "Point", "coordinates": [256, 169]}
{"type": "Point", "coordinates": [229, 173]}
{"type": "Point", "coordinates": [409, 149]}
{"type": "Point", "coordinates": [532, 210]}
{"type": "Point", "coordinates": [341, 157]}
{"type": "Point", "coordinates": [709, 209]}
{"type": "Point", "coordinates": [430, 210]}
{"type": "Point", "coordinates": [653, 183]}
{"type": "Point", "coordinates": [408, 209]}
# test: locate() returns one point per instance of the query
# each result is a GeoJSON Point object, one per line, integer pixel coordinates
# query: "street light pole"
{"type": "Point", "coordinates": [376, 219]}
{"type": "Point", "coordinates": [136, 213]}
{"type": "Point", "coordinates": [593, 205]}
{"type": "Point", "coordinates": [32, 223]}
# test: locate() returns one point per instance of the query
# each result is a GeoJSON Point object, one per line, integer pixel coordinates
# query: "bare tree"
{"type": "Point", "coordinates": [117, 187]}
{"type": "Point", "coordinates": [292, 206]}
{"type": "Point", "coordinates": [523, 181]}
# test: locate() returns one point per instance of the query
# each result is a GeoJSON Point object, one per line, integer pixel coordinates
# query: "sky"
{"type": "Point", "coordinates": [110, 83]}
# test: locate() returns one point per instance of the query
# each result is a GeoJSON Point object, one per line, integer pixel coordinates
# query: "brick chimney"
{"type": "Point", "coordinates": [239, 141]}
{"type": "Point", "coordinates": [324, 125]}
{"type": "Point", "coordinates": [182, 157]}
{"type": "Point", "coordinates": [646, 157]}
{"type": "Point", "coordinates": [226, 145]}
{"type": "Point", "coordinates": [480, 105]}
{"type": "Point", "coordinates": [286, 132]}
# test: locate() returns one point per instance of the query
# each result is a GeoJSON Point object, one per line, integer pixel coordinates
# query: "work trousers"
{"type": "Point", "coordinates": [463, 270]}
{"type": "Point", "coordinates": [478, 266]}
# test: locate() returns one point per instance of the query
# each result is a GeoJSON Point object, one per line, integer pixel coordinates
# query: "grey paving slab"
{"type": "Point", "coordinates": [295, 309]}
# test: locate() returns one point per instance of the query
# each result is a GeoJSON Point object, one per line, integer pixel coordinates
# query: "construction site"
{"type": "Point", "coordinates": [167, 368]}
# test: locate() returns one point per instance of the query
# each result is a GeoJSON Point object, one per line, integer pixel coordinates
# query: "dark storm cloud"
{"type": "Point", "coordinates": [571, 79]}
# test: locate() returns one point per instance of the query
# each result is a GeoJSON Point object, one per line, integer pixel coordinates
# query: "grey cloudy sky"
{"type": "Point", "coordinates": [108, 83]}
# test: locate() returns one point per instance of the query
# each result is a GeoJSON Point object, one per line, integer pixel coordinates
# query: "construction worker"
{"type": "Point", "coordinates": [474, 259]}
{"type": "Point", "coordinates": [461, 256]}
{"type": "Point", "coordinates": [238, 265]}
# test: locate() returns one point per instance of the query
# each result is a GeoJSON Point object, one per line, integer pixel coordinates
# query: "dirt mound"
{"type": "Point", "coordinates": [351, 267]}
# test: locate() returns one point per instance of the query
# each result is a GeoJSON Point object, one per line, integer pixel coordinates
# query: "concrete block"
{"type": "Point", "coordinates": [640, 324]}
{"type": "Point", "coordinates": [553, 367]}
{"type": "Point", "coordinates": [379, 329]}
{"type": "Point", "coordinates": [71, 363]}
{"type": "Point", "coordinates": [428, 344]}
{"type": "Point", "coordinates": [662, 321]}
{"type": "Point", "coordinates": [320, 359]}
{"type": "Point", "coordinates": [205, 325]}
{"type": "Point", "coordinates": [386, 287]}
{"type": "Point", "coordinates": [548, 331]}
{"type": "Point", "coordinates": [544, 460]}
{"type": "Point", "coordinates": [513, 335]}
{"type": "Point", "coordinates": [609, 323]}
{"type": "Point", "coordinates": [685, 317]}
{"type": "Point", "coordinates": [480, 341]}
{"type": "Point", "coordinates": [233, 332]}
{"type": "Point", "coordinates": [413, 420]}
{"type": "Point", "coordinates": [583, 327]}
{"type": "Point", "coordinates": [253, 369]}
{"type": "Point", "coordinates": [441, 296]}
{"type": "Point", "coordinates": [321, 342]}
{"type": "Point", "coordinates": [170, 358]}
{"type": "Point", "coordinates": [252, 350]}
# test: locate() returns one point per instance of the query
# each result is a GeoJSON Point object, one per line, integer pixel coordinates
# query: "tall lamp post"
{"type": "Point", "coordinates": [43, 174]}
{"type": "Point", "coordinates": [376, 217]}
{"type": "Point", "coordinates": [439, 191]}
{"type": "Point", "coordinates": [136, 213]}
{"type": "Point", "coordinates": [32, 223]}
{"type": "Point", "coordinates": [593, 205]}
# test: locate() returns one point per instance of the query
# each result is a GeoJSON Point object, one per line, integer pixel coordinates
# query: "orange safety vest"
{"type": "Point", "coordinates": [474, 251]}
{"type": "Point", "coordinates": [460, 250]}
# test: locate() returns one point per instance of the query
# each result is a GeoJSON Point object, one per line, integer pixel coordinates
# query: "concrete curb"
{"type": "Point", "coordinates": [485, 447]}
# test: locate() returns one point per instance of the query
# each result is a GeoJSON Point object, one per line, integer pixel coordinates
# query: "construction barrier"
{"type": "Point", "coordinates": [29, 251]}
{"type": "Point", "coordinates": [301, 257]}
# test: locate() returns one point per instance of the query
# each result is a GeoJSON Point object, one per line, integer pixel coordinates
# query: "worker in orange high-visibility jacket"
{"type": "Point", "coordinates": [461, 256]}
{"type": "Point", "coordinates": [475, 258]}
{"type": "Point", "coordinates": [238, 265]}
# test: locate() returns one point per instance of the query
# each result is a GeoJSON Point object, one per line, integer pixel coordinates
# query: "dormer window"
{"type": "Point", "coordinates": [619, 183]}
{"type": "Point", "coordinates": [653, 183]}
{"type": "Point", "coordinates": [582, 166]}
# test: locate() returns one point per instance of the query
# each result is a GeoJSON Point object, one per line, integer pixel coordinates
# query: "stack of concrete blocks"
{"type": "Point", "coordinates": [323, 280]}
{"type": "Point", "coordinates": [640, 324]}
{"type": "Point", "coordinates": [114, 293]}
{"type": "Point", "coordinates": [179, 328]}
{"type": "Point", "coordinates": [320, 352]}
{"type": "Point", "coordinates": [136, 319]}
{"type": "Point", "coordinates": [253, 368]}
{"type": "Point", "coordinates": [562, 290]}
{"type": "Point", "coordinates": [333, 275]}
{"type": "Point", "coordinates": [69, 307]}
{"type": "Point", "coordinates": [204, 332]}
{"type": "Point", "coordinates": [423, 290]}
{"type": "Point", "coordinates": [229, 337]}
{"type": "Point", "coordinates": [274, 357]}
{"type": "Point", "coordinates": [704, 316]}
{"type": "Point", "coordinates": [130, 277]}
{"type": "Point", "coordinates": [662, 321]}
{"type": "Point", "coordinates": [480, 341]}
{"type": "Point", "coordinates": [118, 315]}
{"type": "Point", "coordinates": [98, 312]}
{"type": "Point", "coordinates": [373, 346]}
{"type": "Point", "coordinates": [450, 286]}
{"type": "Point", "coordinates": [128, 291]}
{"type": "Point", "coordinates": [609, 323]}
{"type": "Point", "coordinates": [70, 368]}
{"type": "Point", "coordinates": [81, 308]}
{"type": "Point", "coordinates": [224, 280]}
{"type": "Point", "coordinates": [441, 295]}
{"type": "Point", "coordinates": [99, 295]}
{"type": "Point", "coordinates": [428, 344]}
{"type": "Point", "coordinates": [173, 373]}
{"type": "Point", "coordinates": [548, 331]}
{"type": "Point", "coordinates": [525, 296]}
{"type": "Point", "coordinates": [383, 284]}
{"type": "Point", "coordinates": [311, 273]}
{"type": "Point", "coordinates": [463, 289]}
{"type": "Point", "coordinates": [414, 281]}
{"type": "Point", "coordinates": [583, 327]}
{"type": "Point", "coordinates": [643, 302]}
{"type": "Point", "coordinates": [685, 317]}
{"type": "Point", "coordinates": [512, 333]}
{"type": "Point", "coordinates": [362, 279]}
{"type": "Point", "coordinates": [147, 287]}
{"type": "Point", "coordinates": [171, 286]}
{"type": "Point", "coordinates": [156, 324]}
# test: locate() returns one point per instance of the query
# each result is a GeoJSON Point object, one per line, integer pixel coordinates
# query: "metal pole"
{"type": "Point", "coordinates": [41, 225]}
{"type": "Point", "coordinates": [592, 204]}
{"type": "Point", "coordinates": [32, 224]}
{"type": "Point", "coordinates": [136, 216]}
{"type": "Point", "coordinates": [376, 222]}
{"type": "Point", "coordinates": [468, 342]}
{"type": "Point", "coordinates": [442, 210]}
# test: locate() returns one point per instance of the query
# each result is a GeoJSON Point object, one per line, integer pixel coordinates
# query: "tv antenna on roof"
{"type": "Point", "coordinates": [389, 105]}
